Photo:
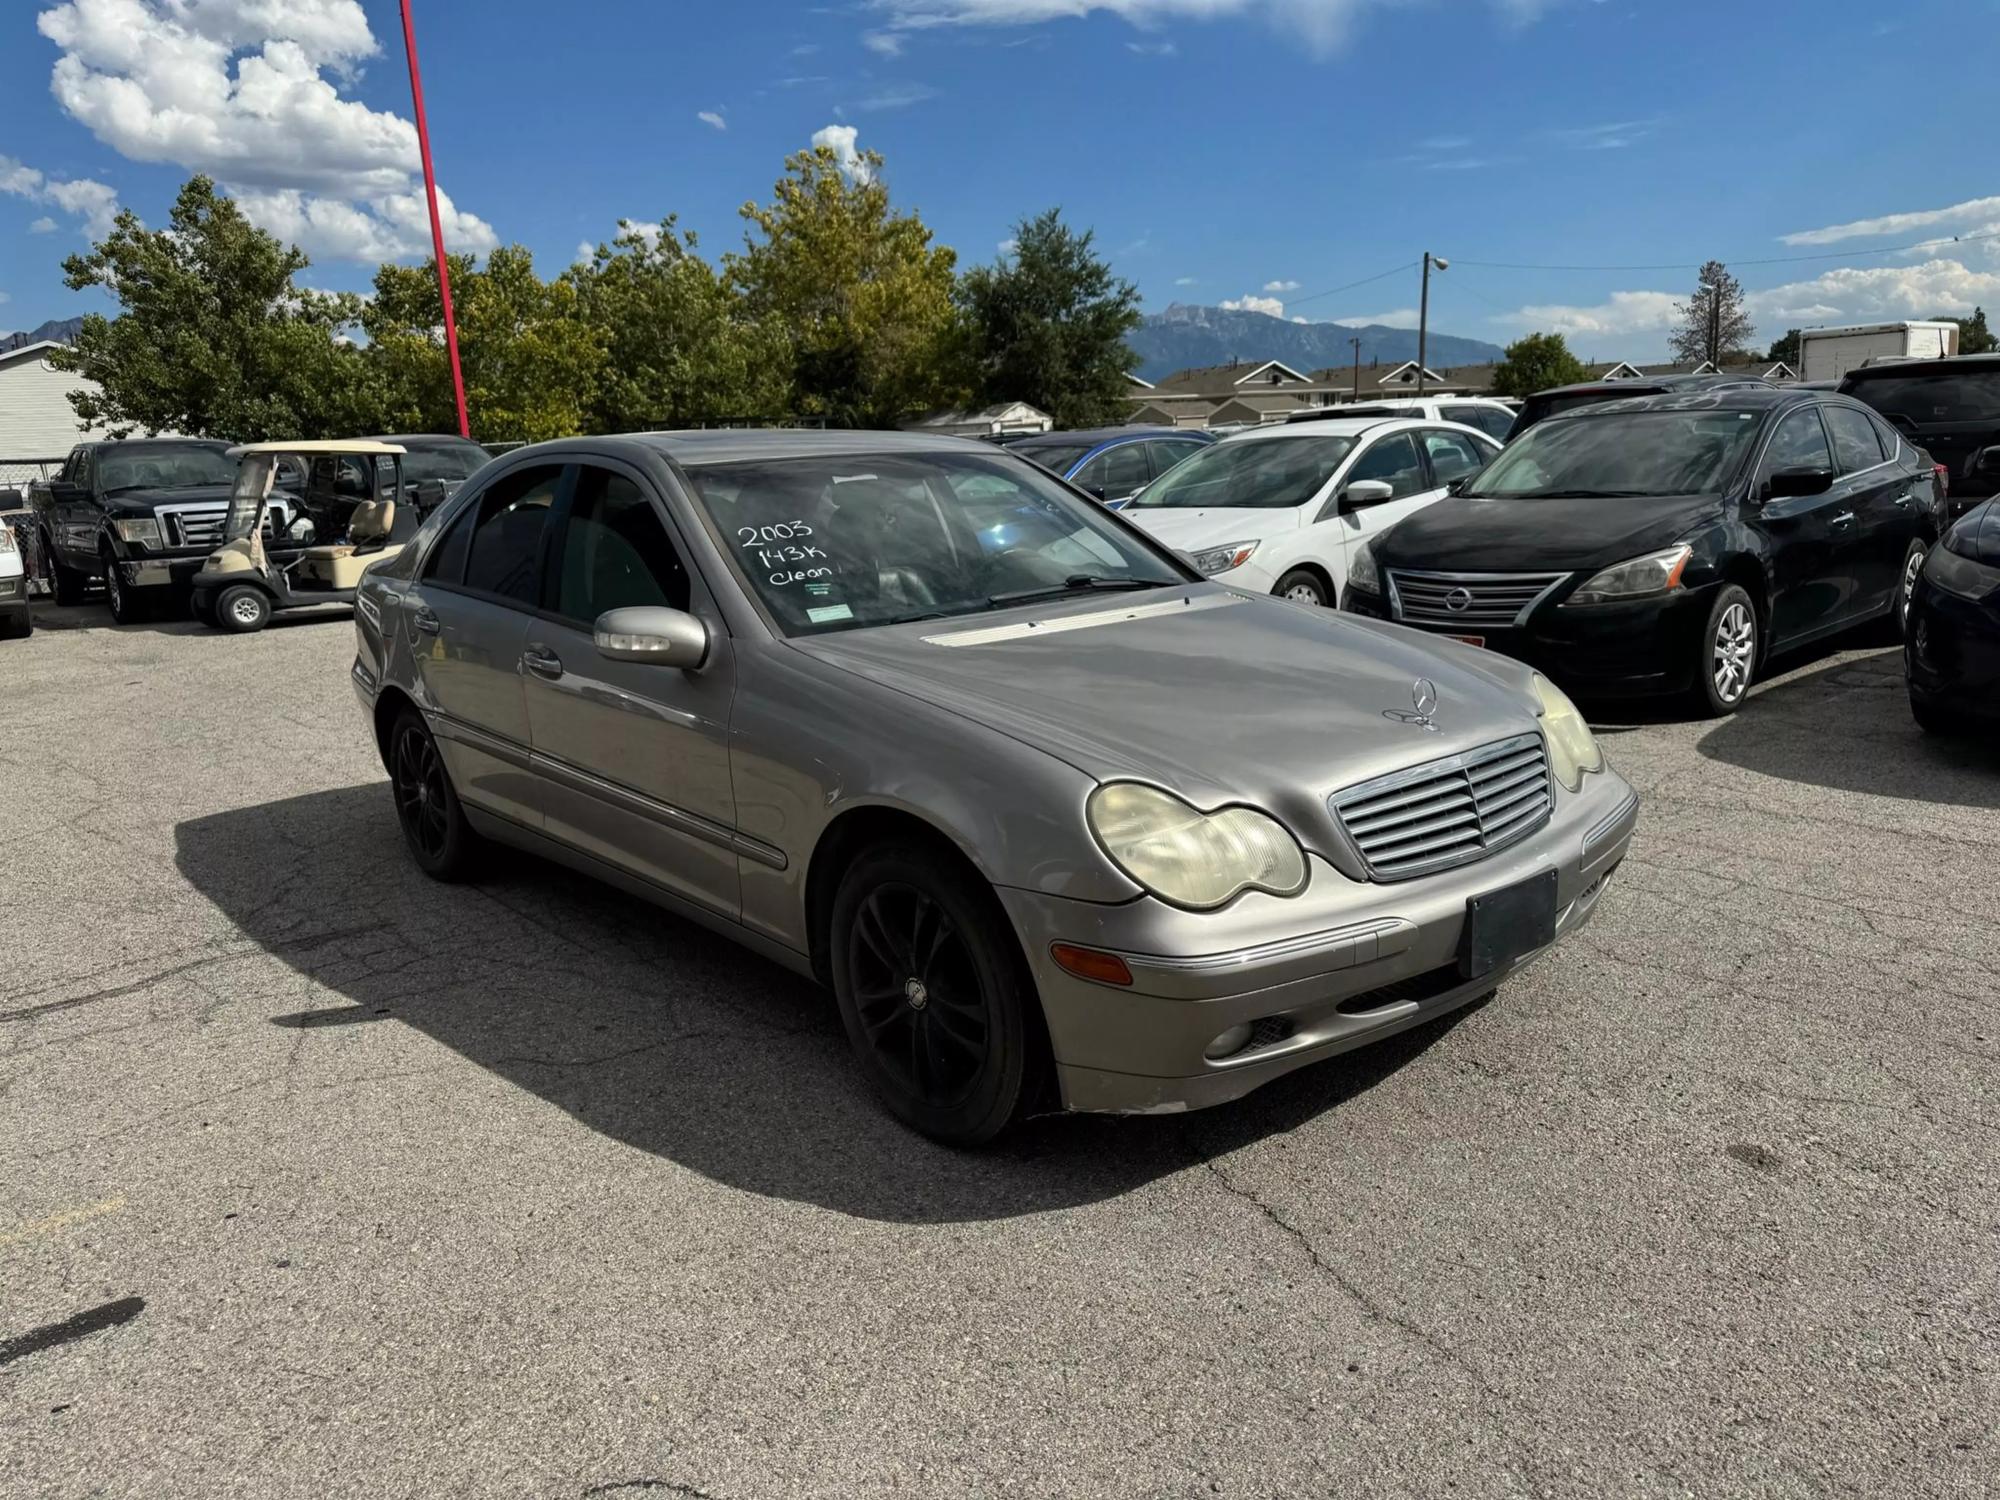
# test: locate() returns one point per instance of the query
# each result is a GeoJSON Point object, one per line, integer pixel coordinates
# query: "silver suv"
{"type": "Point", "coordinates": [1056, 819]}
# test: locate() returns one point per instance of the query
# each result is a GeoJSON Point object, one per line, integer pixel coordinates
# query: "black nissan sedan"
{"type": "Point", "coordinates": [1667, 543]}
{"type": "Point", "coordinates": [1951, 642]}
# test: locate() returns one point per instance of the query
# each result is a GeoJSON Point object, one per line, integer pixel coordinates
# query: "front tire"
{"type": "Point", "coordinates": [427, 806]}
{"type": "Point", "coordinates": [202, 610]}
{"type": "Point", "coordinates": [934, 993]}
{"type": "Point", "coordinates": [18, 625]}
{"type": "Point", "coordinates": [1303, 586]}
{"type": "Point", "coordinates": [1934, 720]}
{"type": "Point", "coordinates": [126, 604]}
{"type": "Point", "coordinates": [1728, 659]}
{"type": "Point", "coordinates": [243, 609]}
{"type": "Point", "coordinates": [67, 583]}
{"type": "Point", "coordinates": [1896, 624]}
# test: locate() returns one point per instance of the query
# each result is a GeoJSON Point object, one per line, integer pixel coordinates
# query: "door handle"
{"type": "Point", "coordinates": [1845, 518]}
{"type": "Point", "coordinates": [1905, 499]}
{"type": "Point", "coordinates": [426, 622]}
{"type": "Point", "coordinates": [543, 662]}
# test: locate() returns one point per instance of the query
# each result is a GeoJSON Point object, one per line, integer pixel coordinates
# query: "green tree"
{"type": "Point", "coordinates": [214, 337]}
{"type": "Point", "coordinates": [1534, 364]}
{"type": "Point", "coordinates": [1048, 326]}
{"type": "Point", "coordinates": [532, 362]}
{"type": "Point", "coordinates": [864, 296]}
{"type": "Point", "coordinates": [1786, 348]}
{"type": "Point", "coordinates": [1974, 337]}
{"type": "Point", "coordinates": [1714, 325]}
{"type": "Point", "coordinates": [681, 350]}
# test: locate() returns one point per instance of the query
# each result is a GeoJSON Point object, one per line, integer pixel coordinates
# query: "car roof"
{"type": "Point", "coordinates": [424, 439]}
{"type": "Point", "coordinates": [1952, 364]}
{"type": "Point", "coordinates": [158, 442]}
{"type": "Point", "coordinates": [1091, 436]}
{"type": "Point", "coordinates": [1757, 397]}
{"type": "Point", "coordinates": [334, 445]}
{"type": "Point", "coordinates": [721, 445]}
{"type": "Point", "coordinates": [1655, 383]}
{"type": "Point", "coordinates": [1333, 427]}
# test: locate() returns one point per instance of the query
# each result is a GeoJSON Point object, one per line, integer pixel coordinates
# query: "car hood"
{"type": "Point", "coordinates": [1191, 529]}
{"type": "Point", "coordinates": [1503, 536]}
{"type": "Point", "coordinates": [1217, 694]}
{"type": "Point", "coordinates": [142, 502]}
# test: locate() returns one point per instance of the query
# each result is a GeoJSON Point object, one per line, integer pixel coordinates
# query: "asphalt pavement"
{"type": "Point", "coordinates": [319, 1179]}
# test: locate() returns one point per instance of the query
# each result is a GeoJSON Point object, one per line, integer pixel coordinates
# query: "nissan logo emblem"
{"type": "Point", "coordinates": [1459, 600]}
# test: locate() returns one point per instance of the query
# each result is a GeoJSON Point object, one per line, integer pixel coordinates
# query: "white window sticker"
{"type": "Point", "coordinates": [829, 612]}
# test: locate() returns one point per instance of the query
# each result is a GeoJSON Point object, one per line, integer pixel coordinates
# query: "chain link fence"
{"type": "Point", "coordinates": [16, 474]}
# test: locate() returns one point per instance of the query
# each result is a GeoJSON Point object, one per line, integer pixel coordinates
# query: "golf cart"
{"type": "Point", "coordinates": [349, 519]}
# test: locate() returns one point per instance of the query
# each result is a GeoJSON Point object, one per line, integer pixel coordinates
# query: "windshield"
{"type": "Point", "coordinates": [839, 541]}
{"type": "Point", "coordinates": [421, 464]}
{"type": "Point", "coordinates": [176, 468]}
{"type": "Point", "coordinates": [1057, 458]}
{"type": "Point", "coordinates": [1630, 453]}
{"type": "Point", "coordinates": [1956, 396]}
{"type": "Point", "coordinates": [252, 479]}
{"type": "Point", "coordinates": [1264, 474]}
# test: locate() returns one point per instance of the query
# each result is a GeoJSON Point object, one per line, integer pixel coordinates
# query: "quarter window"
{"type": "Point", "coordinates": [1126, 469]}
{"type": "Point", "coordinates": [1452, 455]}
{"type": "Point", "coordinates": [506, 548]}
{"type": "Point", "coordinates": [1853, 438]}
{"type": "Point", "coordinates": [1393, 460]}
{"type": "Point", "coordinates": [616, 552]}
{"type": "Point", "coordinates": [446, 564]}
{"type": "Point", "coordinates": [1799, 443]}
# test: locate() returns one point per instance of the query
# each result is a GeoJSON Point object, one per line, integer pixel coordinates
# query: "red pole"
{"type": "Point", "coordinates": [437, 225]}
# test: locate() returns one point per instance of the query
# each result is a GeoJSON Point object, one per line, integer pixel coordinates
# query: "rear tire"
{"type": "Point", "coordinates": [67, 583]}
{"type": "Point", "coordinates": [1729, 650]}
{"type": "Point", "coordinates": [243, 609]}
{"type": "Point", "coordinates": [427, 806]}
{"type": "Point", "coordinates": [19, 624]}
{"type": "Point", "coordinates": [1303, 586]}
{"type": "Point", "coordinates": [1934, 720]}
{"type": "Point", "coordinates": [938, 1003]}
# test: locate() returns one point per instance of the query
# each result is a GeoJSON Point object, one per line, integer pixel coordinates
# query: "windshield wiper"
{"type": "Point", "coordinates": [1558, 493]}
{"type": "Point", "coordinates": [1078, 583]}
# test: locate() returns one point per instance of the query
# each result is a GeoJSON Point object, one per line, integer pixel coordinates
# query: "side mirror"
{"type": "Point", "coordinates": [1798, 482]}
{"type": "Point", "coordinates": [1457, 486]}
{"type": "Point", "coordinates": [1988, 461]}
{"type": "Point", "coordinates": [1365, 492]}
{"type": "Point", "coordinates": [650, 633]}
{"type": "Point", "coordinates": [1095, 491]}
{"type": "Point", "coordinates": [64, 493]}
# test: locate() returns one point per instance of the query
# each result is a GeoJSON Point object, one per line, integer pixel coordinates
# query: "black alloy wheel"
{"type": "Point", "coordinates": [933, 993]}
{"type": "Point", "coordinates": [427, 807]}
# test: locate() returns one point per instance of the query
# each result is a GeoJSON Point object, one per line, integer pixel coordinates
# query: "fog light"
{"type": "Point", "coordinates": [1231, 1042]}
{"type": "Point", "coordinates": [1089, 963]}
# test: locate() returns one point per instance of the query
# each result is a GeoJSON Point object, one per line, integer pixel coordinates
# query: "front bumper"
{"type": "Point", "coordinates": [156, 571]}
{"type": "Point", "coordinates": [1634, 649]}
{"type": "Point", "coordinates": [1951, 652]}
{"type": "Point", "coordinates": [1337, 967]}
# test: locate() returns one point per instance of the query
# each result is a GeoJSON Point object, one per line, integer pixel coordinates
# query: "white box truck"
{"type": "Point", "coordinates": [1829, 353]}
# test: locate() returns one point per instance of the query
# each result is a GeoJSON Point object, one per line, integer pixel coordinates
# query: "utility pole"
{"type": "Point", "coordinates": [1356, 342]}
{"type": "Point", "coordinates": [437, 224]}
{"type": "Point", "coordinates": [1424, 313]}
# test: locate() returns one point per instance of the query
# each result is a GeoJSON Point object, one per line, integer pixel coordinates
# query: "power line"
{"type": "Point", "coordinates": [1772, 260]}
{"type": "Point", "coordinates": [1408, 265]}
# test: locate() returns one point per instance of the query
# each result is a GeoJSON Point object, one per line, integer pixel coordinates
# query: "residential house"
{"type": "Point", "coordinates": [1761, 369]}
{"type": "Point", "coordinates": [36, 419]}
{"type": "Point", "coordinates": [1008, 419]}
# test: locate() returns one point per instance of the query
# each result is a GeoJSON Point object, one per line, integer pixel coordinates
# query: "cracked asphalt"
{"type": "Point", "coordinates": [317, 1179]}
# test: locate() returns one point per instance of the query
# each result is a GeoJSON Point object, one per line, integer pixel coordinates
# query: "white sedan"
{"type": "Point", "coordinates": [1281, 509]}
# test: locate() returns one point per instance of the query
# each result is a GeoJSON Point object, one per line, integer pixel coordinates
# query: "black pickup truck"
{"type": "Point", "coordinates": [140, 514]}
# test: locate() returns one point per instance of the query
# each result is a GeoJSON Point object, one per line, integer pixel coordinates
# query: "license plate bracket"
{"type": "Point", "coordinates": [1505, 925]}
{"type": "Point", "coordinates": [1468, 640]}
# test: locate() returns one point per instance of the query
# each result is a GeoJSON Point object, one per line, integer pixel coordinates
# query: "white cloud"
{"type": "Point", "coordinates": [1297, 319]}
{"type": "Point", "coordinates": [1152, 49]}
{"type": "Point", "coordinates": [897, 96]}
{"type": "Point", "coordinates": [1973, 212]}
{"type": "Point", "coordinates": [1613, 135]}
{"type": "Point", "coordinates": [1858, 292]}
{"type": "Point", "coordinates": [1269, 306]}
{"type": "Point", "coordinates": [1281, 286]}
{"type": "Point", "coordinates": [1399, 317]}
{"type": "Point", "coordinates": [1323, 25]}
{"type": "Point", "coordinates": [712, 117]}
{"type": "Point", "coordinates": [1187, 281]}
{"type": "Point", "coordinates": [1008, 247]}
{"type": "Point", "coordinates": [92, 204]}
{"type": "Point", "coordinates": [882, 43]}
{"type": "Point", "coordinates": [840, 140]}
{"type": "Point", "coordinates": [585, 252]}
{"type": "Point", "coordinates": [249, 91]}
{"type": "Point", "coordinates": [1621, 313]}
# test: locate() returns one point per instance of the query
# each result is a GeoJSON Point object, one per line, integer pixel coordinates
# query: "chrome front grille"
{"type": "Point", "coordinates": [1448, 812]}
{"type": "Point", "coordinates": [1492, 600]}
{"type": "Point", "coordinates": [199, 523]}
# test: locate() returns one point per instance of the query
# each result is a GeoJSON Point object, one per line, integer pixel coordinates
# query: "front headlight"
{"type": "Point", "coordinates": [7, 542]}
{"type": "Point", "coordinates": [1572, 747]}
{"type": "Point", "coordinates": [1655, 573]}
{"type": "Point", "coordinates": [145, 531]}
{"type": "Point", "coordinates": [1222, 559]}
{"type": "Point", "coordinates": [1361, 572]}
{"type": "Point", "coordinates": [1189, 857]}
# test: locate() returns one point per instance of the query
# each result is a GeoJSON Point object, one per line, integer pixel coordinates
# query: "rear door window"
{"type": "Point", "coordinates": [1799, 443]}
{"type": "Point", "coordinates": [1854, 440]}
{"type": "Point", "coordinates": [506, 547]}
{"type": "Point", "coordinates": [1941, 399]}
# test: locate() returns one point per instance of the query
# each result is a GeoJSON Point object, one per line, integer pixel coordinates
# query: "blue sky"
{"type": "Point", "coordinates": [1223, 150]}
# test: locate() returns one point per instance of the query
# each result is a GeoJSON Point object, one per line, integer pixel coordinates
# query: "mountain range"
{"type": "Point", "coordinates": [62, 331]}
{"type": "Point", "coordinates": [1184, 336]}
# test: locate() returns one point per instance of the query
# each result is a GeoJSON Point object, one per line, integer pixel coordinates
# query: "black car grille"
{"type": "Point", "coordinates": [1448, 812]}
{"type": "Point", "coordinates": [1491, 600]}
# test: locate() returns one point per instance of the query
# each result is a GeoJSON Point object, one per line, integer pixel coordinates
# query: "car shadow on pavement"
{"type": "Point", "coordinates": [660, 1035]}
{"type": "Point", "coordinates": [1845, 724]}
{"type": "Point", "coordinates": [93, 614]}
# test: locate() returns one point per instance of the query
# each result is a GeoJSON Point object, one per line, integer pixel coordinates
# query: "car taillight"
{"type": "Point", "coordinates": [1943, 479]}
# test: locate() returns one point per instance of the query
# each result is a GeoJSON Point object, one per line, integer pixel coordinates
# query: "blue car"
{"type": "Point", "coordinates": [1112, 463]}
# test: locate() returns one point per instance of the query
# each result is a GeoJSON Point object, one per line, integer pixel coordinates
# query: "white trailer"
{"type": "Point", "coordinates": [1829, 353]}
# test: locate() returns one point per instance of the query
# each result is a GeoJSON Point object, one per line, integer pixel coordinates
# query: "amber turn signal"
{"type": "Point", "coordinates": [1088, 963]}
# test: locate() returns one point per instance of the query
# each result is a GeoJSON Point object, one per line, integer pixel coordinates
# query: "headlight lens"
{"type": "Point", "coordinates": [1190, 857]}
{"type": "Point", "coordinates": [7, 542]}
{"type": "Point", "coordinates": [1361, 572]}
{"type": "Point", "coordinates": [1222, 559]}
{"type": "Point", "coordinates": [146, 531]}
{"type": "Point", "coordinates": [1655, 573]}
{"type": "Point", "coordinates": [1572, 747]}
